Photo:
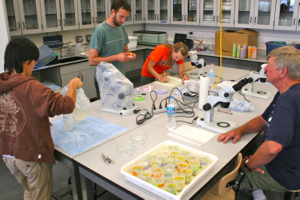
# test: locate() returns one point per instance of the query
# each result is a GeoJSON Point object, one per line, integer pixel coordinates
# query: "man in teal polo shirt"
{"type": "Point", "coordinates": [110, 41]}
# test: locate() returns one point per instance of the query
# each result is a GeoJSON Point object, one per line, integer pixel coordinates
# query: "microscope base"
{"type": "Point", "coordinates": [121, 112]}
{"type": "Point", "coordinates": [215, 125]}
{"type": "Point", "coordinates": [256, 93]}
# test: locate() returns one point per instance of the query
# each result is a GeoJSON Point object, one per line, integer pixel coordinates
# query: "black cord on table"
{"type": "Point", "coordinates": [143, 117]}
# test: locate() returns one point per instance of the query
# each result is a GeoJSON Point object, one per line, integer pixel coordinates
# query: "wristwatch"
{"type": "Point", "coordinates": [245, 164]}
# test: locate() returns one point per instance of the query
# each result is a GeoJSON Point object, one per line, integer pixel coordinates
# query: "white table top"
{"type": "Point", "coordinates": [157, 132]}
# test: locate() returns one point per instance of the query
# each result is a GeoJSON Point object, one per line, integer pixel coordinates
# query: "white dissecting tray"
{"type": "Point", "coordinates": [126, 171]}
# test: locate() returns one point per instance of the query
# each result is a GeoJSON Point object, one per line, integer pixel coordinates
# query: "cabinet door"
{"type": "Point", "coordinates": [244, 11]}
{"type": "Point", "coordinates": [163, 14]}
{"type": "Point", "coordinates": [264, 14]}
{"type": "Point", "coordinates": [87, 79]}
{"type": "Point", "coordinates": [13, 17]}
{"type": "Point", "coordinates": [30, 16]}
{"type": "Point", "coordinates": [151, 15]}
{"type": "Point", "coordinates": [50, 11]}
{"type": "Point", "coordinates": [286, 14]}
{"type": "Point", "coordinates": [208, 13]}
{"type": "Point", "coordinates": [101, 13]}
{"type": "Point", "coordinates": [86, 14]}
{"type": "Point", "coordinates": [298, 19]}
{"type": "Point", "coordinates": [138, 9]}
{"type": "Point", "coordinates": [227, 13]}
{"type": "Point", "coordinates": [69, 13]}
{"type": "Point", "coordinates": [178, 16]}
{"type": "Point", "coordinates": [192, 9]}
{"type": "Point", "coordinates": [129, 19]}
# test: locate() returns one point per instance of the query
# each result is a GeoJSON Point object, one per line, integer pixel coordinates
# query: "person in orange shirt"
{"type": "Point", "coordinates": [161, 59]}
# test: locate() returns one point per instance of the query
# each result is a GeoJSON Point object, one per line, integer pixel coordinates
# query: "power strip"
{"type": "Point", "coordinates": [163, 110]}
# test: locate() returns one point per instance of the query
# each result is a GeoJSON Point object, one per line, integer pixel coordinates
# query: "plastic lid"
{"type": "Point", "coordinates": [171, 97]}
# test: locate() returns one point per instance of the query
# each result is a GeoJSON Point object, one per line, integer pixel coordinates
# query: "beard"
{"type": "Point", "coordinates": [116, 22]}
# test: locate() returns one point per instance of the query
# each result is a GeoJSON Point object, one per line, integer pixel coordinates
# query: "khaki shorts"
{"type": "Point", "coordinates": [35, 177]}
{"type": "Point", "coordinates": [254, 181]}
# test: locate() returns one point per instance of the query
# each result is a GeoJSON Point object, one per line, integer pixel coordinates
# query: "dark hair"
{"type": "Point", "coordinates": [17, 51]}
{"type": "Point", "coordinates": [117, 4]}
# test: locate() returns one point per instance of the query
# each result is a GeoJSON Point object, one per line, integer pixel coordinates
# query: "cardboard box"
{"type": "Point", "coordinates": [229, 37]}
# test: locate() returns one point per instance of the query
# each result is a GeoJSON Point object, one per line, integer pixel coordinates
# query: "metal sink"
{"type": "Point", "coordinates": [71, 59]}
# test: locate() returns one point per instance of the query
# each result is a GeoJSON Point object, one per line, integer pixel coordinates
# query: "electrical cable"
{"type": "Point", "coordinates": [144, 117]}
{"type": "Point", "coordinates": [244, 96]}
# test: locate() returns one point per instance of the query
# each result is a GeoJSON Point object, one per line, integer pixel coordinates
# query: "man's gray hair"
{"type": "Point", "coordinates": [289, 57]}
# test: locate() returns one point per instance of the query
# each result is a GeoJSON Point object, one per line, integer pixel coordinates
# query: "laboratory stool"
{"type": "Point", "coordinates": [223, 188]}
{"type": "Point", "coordinates": [288, 194]}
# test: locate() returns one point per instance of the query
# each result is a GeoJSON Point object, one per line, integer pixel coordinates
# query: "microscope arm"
{"type": "Point", "coordinates": [224, 97]}
{"type": "Point", "coordinates": [200, 64]}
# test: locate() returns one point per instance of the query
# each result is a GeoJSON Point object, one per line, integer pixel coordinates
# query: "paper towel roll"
{"type": "Point", "coordinates": [203, 93]}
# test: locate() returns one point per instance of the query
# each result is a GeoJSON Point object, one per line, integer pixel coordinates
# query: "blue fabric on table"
{"type": "Point", "coordinates": [92, 131]}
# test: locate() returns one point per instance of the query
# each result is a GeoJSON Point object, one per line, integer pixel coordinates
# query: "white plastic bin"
{"type": "Point", "coordinates": [126, 171]}
{"type": "Point", "coordinates": [132, 42]}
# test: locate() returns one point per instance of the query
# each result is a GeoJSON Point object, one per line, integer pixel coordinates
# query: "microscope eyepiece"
{"type": "Point", "coordinates": [241, 84]}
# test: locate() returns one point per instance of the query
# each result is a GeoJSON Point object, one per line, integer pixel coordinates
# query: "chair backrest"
{"type": "Point", "coordinates": [222, 189]}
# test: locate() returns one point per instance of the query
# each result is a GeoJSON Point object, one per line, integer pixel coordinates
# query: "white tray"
{"type": "Point", "coordinates": [126, 171]}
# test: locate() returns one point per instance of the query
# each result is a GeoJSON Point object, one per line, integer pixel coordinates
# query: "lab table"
{"type": "Point", "coordinates": [89, 165]}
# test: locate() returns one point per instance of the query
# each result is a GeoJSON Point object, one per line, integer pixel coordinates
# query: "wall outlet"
{"type": "Point", "coordinates": [79, 39]}
{"type": "Point", "coordinates": [88, 38]}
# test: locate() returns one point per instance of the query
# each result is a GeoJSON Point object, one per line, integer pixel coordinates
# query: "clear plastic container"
{"type": "Point", "coordinates": [83, 107]}
{"type": "Point", "coordinates": [68, 122]}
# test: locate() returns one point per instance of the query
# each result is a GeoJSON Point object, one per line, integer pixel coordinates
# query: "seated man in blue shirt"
{"type": "Point", "coordinates": [276, 163]}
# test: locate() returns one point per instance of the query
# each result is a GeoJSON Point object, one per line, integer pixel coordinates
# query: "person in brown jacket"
{"type": "Point", "coordinates": [25, 107]}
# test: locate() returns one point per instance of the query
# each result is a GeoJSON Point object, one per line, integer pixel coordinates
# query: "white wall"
{"type": "Point", "coordinates": [4, 34]}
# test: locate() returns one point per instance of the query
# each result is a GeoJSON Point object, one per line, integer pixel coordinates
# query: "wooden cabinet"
{"type": "Point", "coordinates": [255, 14]}
{"type": "Point", "coordinates": [158, 11]}
{"type": "Point", "coordinates": [210, 13]}
{"type": "Point", "coordinates": [185, 12]}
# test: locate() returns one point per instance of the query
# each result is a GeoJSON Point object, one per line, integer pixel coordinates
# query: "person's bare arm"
{"type": "Point", "coordinates": [255, 125]}
{"type": "Point", "coordinates": [150, 68]}
{"type": "Point", "coordinates": [181, 72]}
{"type": "Point", "coordinates": [264, 154]}
{"type": "Point", "coordinates": [74, 84]}
{"type": "Point", "coordinates": [94, 59]}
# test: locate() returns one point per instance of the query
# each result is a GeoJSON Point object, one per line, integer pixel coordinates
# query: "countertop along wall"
{"type": "Point", "coordinates": [201, 32]}
{"type": "Point", "coordinates": [71, 35]}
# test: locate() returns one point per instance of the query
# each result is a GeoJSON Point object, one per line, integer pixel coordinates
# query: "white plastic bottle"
{"type": "Point", "coordinates": [68, 122]}
{"type": "Point", "coordinates": [211, 76]}
{"type": "Point", "coordinates": [171, 111]}
{"type": "Point", "coordinates": [79, 49]}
